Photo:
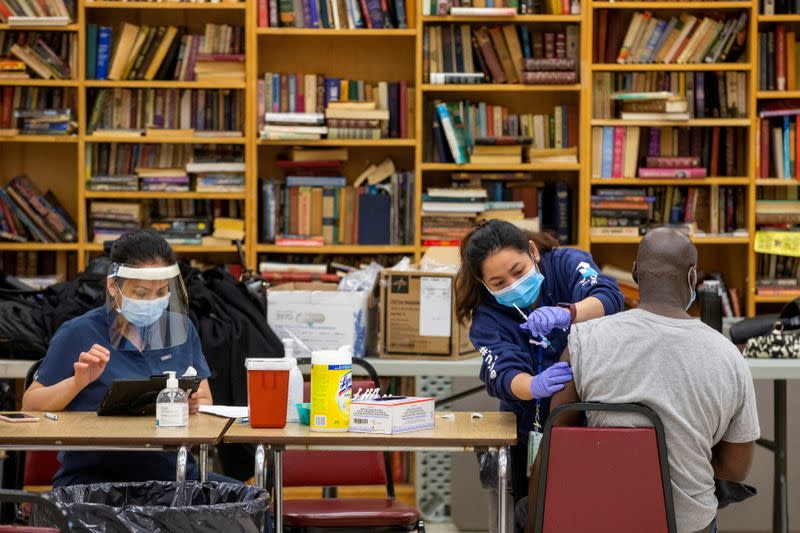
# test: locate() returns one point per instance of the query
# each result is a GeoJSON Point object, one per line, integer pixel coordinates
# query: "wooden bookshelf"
{"type": "Point", "coordinates": [345, 32]}
{"type": "Point", "coordinates": [158, 84]}
{"type": "Point", "coordinates": [498, 88]}
{"type": "Point", "coordinates": [772, 299]}
{"type": "Point", "coordinates": [516, 19]}
{"type": "Point", "coordinates": [777, 95]}
{"type": "Point", "coordinates": [732, 255]}
{"type": "Point", "coordinates": [67, 27]}
{"type": "Point", "coordinates": [362, 143]}
{"type": "Point", "coordinates": [200, 6]}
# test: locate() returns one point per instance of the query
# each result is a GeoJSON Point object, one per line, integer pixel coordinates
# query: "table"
{"type": "Point", "coordinates": [776, 370]}
{"type": "Point", "coordinates": [85, 431]}
{"type": "Point", "coordinates": [492, 432]}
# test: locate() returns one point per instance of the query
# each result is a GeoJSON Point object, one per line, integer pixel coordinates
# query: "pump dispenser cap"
{"type": "Point", "coordinates": [172, 381]}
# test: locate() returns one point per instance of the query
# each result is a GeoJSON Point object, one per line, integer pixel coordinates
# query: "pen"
{"type": "Point", "coordinates": [51, 416]}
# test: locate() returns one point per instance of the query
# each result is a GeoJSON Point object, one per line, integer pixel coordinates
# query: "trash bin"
{"type": "Point", "coordinates": [160, 507]}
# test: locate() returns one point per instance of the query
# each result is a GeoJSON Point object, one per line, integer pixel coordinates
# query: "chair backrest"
{"type": "Point", "coordinates": [40, 467]}
{"type": "Point", "coordinates": [604, 479]}
{"type": "Point", "coordinates": [328, 469]}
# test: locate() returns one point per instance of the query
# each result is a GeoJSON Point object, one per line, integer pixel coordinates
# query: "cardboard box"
{"type": "Point", "coordinates": [323, 317]}
{"type": "Point", "coordinates": [418, 311]}
{"type": "Point", "coordinates": [388, 417]}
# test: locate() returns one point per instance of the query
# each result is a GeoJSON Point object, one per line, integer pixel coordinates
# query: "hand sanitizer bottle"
{"type": "Point", "coordinates": [295, 382]}
{"type": "Point", "coordinates": [172, 407]}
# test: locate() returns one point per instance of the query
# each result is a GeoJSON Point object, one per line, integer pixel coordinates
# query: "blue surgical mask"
{"type": "Point", "coordinates": [143, 313]}
{"type": "Point", "coordinates": [692, 292]}
{"type": "Point", "coordinates": [523, 292]}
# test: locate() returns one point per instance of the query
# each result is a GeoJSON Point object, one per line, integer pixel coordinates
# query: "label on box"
{"type": "Point", "coordinates": [435, 306]}
{"type": "Point", "coordinates": [391, 416]}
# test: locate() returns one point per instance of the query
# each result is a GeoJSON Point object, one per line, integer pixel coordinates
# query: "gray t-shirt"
{"type": "Point", "coordinates": [693, 377]}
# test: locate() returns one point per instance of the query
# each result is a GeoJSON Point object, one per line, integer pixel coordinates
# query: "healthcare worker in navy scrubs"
{"type": "Point", "coordinates": [507, 273]}
{"type": "Point", "coordinates": [141, 331]}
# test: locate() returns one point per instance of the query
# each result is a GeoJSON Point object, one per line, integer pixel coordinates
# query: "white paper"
{"type": "Point", "coordinates": [225, 411]}
{"type": "Point", "coordinates": [434, 306]}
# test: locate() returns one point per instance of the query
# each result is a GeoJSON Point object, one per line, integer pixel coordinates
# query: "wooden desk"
{"type": "Point", "coordinates": [493, 432]}
{"type": "Point", "coordinates": [85, 431]}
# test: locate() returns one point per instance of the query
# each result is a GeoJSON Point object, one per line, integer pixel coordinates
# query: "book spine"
{"type": "Point", "coordinates": [688, 172]}
{"type": "Point", "coordinates": [608, 152]}
{"type": "Point", "coordinates": [619, 152]}
{"type": "Point", "coordinates": [449, 132]}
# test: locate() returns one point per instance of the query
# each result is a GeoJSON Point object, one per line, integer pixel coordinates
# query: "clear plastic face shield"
{"type": "Point", "coordinates": [147, 307]}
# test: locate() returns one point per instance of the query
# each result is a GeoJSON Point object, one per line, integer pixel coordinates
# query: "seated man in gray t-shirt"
{"type": "Point", "coordinates": [693, 377]}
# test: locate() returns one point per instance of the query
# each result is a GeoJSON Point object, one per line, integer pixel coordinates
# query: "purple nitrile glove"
{"type": "Point", "coordinates": [551, 380]}
{"type": "Point", "coordinates": [545, 319]}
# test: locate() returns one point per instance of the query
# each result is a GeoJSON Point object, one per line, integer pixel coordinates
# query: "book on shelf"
{"type": "Point", "coordinates": [687, 38]}
{"type": "Point", "coordinates": [315, 201]}
{"type": "Point", "coordinates": [667, 152]}
{"type": "Point", "coordinates": [469, 131]}
{"type": "Point", "coordinates": [499, 54]}
{"type": "Point", "coordinates": [46, 55]}
{"type": "Point", "coordinates": [27, 214]}
{"type": "Point", "coordinates": [133, 52]}
{"type": "Point", "coordinates": [696, 94]}
{"type": "Point", "coordinates": [37, 13]}
{"type": "Point", "coordinates": [500, 8]}
{"type": "Point", "coordinates": [777, 59]}
{"type": "Point", "coordinates": [706, 210]}
{"type": "Point", "coordinates": [777, 138]}
{"type": "Point", "coordinates": [333, 14]}
{"type": "Point", "coordinates": [37, 110]}
{"type": "Point", "coordinates": [311, 106]}
{"type": "Point", "coordinates": [780, 7]}
{"type": "Point", "coordinates": [181, 222]}
{"type": "Point", "coordinates": [217, 112]}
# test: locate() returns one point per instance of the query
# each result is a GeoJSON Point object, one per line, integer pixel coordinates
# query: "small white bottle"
{"type": "Point", "coordinates": [172, 406]}
{"type": "Point", "coordinates": [295, 382]}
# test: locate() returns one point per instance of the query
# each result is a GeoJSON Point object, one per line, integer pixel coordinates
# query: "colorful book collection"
{"type": "Point", "coordinates": [167, 168]}
{"type": "Point", "coordinates": [500, 54]}
{"type": "Point", "coordinates": [707, 94]}
{"type": "Point", "coordinates": [137, 111]}
{"type": "Point", "coordinates": [311, 106]}
{"type": "Point", "coordinates": [680, 39]}
{"type": "Point", "coordinates": [314, 205]}
{"type": "Point", "coordinates": [777, 59]}
{"type": "Point", "coordinates": [185, 222]}
{"type": "Point", "coordinates": [43, 12]}
{"type": "Point", "coordinates": [37, 111]}
{"type": "Point", "coordinates": [777, 275]}
{"type": "Point", "coordinates": [630, 212]}
{"type": "Point", "coordinates": [458, 127]}
{"type": "Point", "coordinates": [145, 52]}
{"type": "Point", "coordinates": [668, 152]}
{"type": "Point", "coordinates": [334, 14]}
{"type": "Point", "coordinates": [777, 142]}
{"type": "Point", "coordinates": [26, 214]}
{"type": "Point", "coordinates": [46, 55]}
{"type": "Point", "coordinates": [488, 8]}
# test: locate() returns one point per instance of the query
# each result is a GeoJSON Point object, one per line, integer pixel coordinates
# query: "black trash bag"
{"type": "Point", "coordinates": [159, 507]}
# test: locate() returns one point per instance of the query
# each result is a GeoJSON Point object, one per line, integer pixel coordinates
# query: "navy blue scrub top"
{"type": "Point", "coordinates": [78, 335]}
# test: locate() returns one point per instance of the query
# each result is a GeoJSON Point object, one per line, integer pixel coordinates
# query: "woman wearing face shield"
{"type": "Point", "coordinates": [522, 293]}
{"type": "Point", "coordinates": [141, 331]}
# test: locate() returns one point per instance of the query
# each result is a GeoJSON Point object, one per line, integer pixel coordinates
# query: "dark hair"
{"type": "Point", "coordinates": [140, 247]}
{"type": "Point", "coordinates": [488, 237]}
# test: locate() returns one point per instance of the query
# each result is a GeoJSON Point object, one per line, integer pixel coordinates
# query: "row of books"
{"type": "Point", "coordinates": [47, 55]}
{"type": "Point", "coordinates": [188, 222]}
{"type": "Point", "coordinates": [170, 180]}
{"type": "Point", "coordinates": [458, 127]}
{"type": "Point", "coordinates": [499, 54]}
{"type": "Point", "coordinates": [114, 159]}
{"type": "Point", "coordinates": [707, 94]}
{"type": "Point", "coordinates": [33, 110]}
{"type": "Point", "coordinates": [496, 8]}
{"type": "Point", "coordinates": [778, 7]}
{"type": "Point", "coordinates": [38, 270]}
{"type": "Point", "coordinates": [778, 214]}
{"type": "Point", "coordinates": [777, 147]}
{"type": "Point", "coordinates": [22, 12]}
{"type": "Point", "coordinates": [448, 214]}
{"type": "Point", "coordinates": [630, 212]}
{"type": "Point", "coordinates": [777, 59]}
{"type": "Point", "coordinates": [668, 152]}
{"type": "Point", "coordinates": [777, 275]}
{"type": "Point", "coordinates": [134, 111]}
{"type": "Point", "coordinates": [643, 38]}
{"type": "Point", "coordinates": [336, 14]}
{"type": "Point", "coordinates": [311, 106]}
{"type": "Point", "coordinates": [314, 204]}
{"type": "Point", "coordinates": [145, 52]}
{"type": "Point", "coordinates": [26, 214]}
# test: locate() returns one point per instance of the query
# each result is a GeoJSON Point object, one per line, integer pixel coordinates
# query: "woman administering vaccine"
{"type": "Point", "coordinates": [522, 293]}
{"type": "Point", "coordinates": [141, 331]}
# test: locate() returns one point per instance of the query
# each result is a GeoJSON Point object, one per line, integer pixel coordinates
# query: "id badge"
{"type": "Point", "coordinates": [534, 441]}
